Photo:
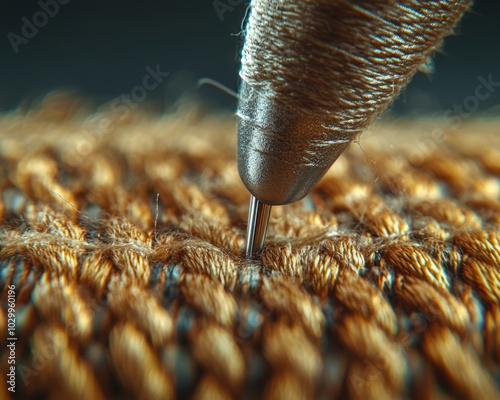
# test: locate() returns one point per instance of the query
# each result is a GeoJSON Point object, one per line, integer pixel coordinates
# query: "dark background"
{"type": "Point", "coordinates": [100, 50]}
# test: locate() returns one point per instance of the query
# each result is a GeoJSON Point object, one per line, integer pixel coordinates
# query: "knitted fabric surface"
{"type": "Point", "coordinates": [122, 237]}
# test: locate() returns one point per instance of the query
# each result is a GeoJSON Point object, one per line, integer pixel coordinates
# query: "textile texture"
{"type": "Point", "coordinates": [123, 235]}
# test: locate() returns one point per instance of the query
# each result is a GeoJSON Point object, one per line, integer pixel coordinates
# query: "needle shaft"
{"type": "Point", "coordinates": [258, 217]}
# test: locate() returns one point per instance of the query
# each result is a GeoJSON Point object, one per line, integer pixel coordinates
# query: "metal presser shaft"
{"type": "Point", "coordinates": [314, 75]}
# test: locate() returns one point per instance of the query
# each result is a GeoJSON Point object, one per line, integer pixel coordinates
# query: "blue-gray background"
{"type": "Point", "coordinates": [100, 49]}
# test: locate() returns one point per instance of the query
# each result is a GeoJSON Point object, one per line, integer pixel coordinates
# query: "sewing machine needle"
{"type": "Point", "coordinates": [258, 217]}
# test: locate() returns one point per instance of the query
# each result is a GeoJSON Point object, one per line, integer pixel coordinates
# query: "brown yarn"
{"type": "Point", "coordinates": [342, 61]}
{"type": "Point", "coordinates": [383, 284]}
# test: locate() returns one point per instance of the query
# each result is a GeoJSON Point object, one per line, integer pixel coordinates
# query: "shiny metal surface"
{"type": "Point", "coordinates": [258, 218]}
{"type": "Point", "coordinates": [282, 153]}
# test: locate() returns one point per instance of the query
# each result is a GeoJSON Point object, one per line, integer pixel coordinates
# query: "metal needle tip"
{"type": "Point", "coordinates": [258, 217]}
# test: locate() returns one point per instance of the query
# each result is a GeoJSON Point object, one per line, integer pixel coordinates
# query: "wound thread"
{"type": "Point", "coordinates": [338, 60]}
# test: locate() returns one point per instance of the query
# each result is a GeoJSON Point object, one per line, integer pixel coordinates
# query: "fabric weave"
{"type": "Point", "coordinates": [383, 283]}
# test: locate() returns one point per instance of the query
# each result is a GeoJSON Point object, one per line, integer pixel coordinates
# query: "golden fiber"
{"type": "Point", "coordinates": [383, 283]}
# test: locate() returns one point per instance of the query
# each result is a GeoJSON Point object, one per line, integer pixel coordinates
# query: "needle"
{"type": "Point", "coordinates": [258, 217]}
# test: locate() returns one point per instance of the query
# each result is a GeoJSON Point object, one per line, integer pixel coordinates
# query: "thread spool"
{"type": "Point", "coordinates": [315, 74]}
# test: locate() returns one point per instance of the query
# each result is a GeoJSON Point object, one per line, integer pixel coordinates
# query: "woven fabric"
{"type": "Point", "coordinates": [123, 234]}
